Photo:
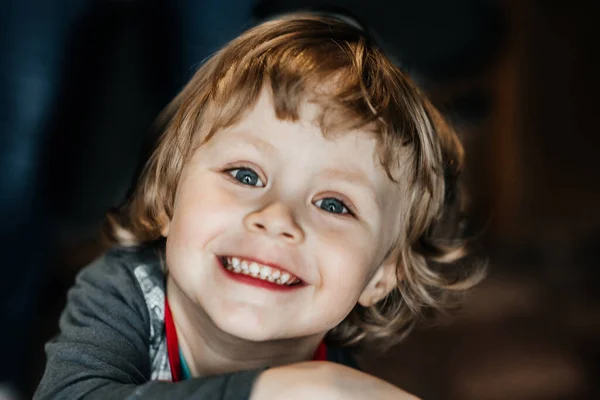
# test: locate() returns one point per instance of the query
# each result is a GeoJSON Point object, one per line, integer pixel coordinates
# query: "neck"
{"type": "Point", "coordinates": [210, 351]}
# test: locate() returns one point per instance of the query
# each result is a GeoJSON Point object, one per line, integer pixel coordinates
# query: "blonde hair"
{"type": "Point", "coordinates": [332, 63]}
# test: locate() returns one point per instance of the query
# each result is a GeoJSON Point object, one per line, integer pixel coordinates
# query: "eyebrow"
{"type": "Point", "coordinates": [259, 144]}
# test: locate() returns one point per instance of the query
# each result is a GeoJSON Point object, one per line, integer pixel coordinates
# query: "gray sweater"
{"type": "Point", "coordinates": [112, 344]}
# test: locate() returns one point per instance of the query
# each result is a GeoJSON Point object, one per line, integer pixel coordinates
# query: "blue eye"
{"type": "Point", "coordinates": [246, 176]}
{"type": "Point", "coordinates": [332, 205]}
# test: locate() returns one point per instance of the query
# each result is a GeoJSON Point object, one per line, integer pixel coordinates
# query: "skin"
{"type": "Point", "coordinates": [280, 192]}
{"type": "Point", "coordinates": [324, 381]}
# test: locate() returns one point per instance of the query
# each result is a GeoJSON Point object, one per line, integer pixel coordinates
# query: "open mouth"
{"type": "Point", "coordinates": [259, 271]}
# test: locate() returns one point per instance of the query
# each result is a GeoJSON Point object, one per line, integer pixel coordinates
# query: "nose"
{"type": "Point", "coordinates": [275, 220]}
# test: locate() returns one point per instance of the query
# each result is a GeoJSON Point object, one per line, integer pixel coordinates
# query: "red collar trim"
{"type": "Point", "coordinates": [173, 345]}
{"type": "Point", "coordinates": [321, 353]}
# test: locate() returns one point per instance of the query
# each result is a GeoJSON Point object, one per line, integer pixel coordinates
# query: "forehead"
{"type": "Point", "coordinates": [259, 127]}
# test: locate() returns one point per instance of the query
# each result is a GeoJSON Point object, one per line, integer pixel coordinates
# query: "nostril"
{"type": "Point", "coordinates": [260, 226]}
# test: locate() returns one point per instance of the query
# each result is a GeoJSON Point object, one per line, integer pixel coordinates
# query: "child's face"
{"type": "Point", "coordinates": [280, 193]}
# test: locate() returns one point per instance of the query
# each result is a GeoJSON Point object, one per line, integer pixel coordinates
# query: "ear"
{"type": "Point", "coordinates": [381, 284]}
{"type": "Point", "coordinates": [165, 223]}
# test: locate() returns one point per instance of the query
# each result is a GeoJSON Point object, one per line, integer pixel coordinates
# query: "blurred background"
{"type": "Point", "coordinates": [81, 82]}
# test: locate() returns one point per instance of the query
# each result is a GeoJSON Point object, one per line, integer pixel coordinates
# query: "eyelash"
{"type": "Point", "coordinates": [242, 167]}
{"type": "Point", "coordinates": [349, 210]}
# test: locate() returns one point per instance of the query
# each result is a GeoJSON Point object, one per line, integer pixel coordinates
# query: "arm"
{"type": "Point", "coordinates": [102, 349]}
{"type": "Point", "coordinates": [324, 381]}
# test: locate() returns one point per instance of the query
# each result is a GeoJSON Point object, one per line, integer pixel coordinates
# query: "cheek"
{"type": "Point", "coordinates": [345, 262]}
{"type": "Point", "coordinates": [202, 212]}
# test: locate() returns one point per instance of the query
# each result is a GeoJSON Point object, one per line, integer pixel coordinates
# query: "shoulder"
{"type": "Point", "coordinates": [122, 273]}
{"type": "Point", "coordinates": [114, 290]}
{"type": "Point", "coordinates": [105, 328]}
{"type": "Point", "coordinates": [130, 258]}
{"type": "Point", "coordinates": [119, 265]}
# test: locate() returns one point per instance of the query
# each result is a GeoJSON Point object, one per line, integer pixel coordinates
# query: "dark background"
{"type": "Point", "coordinates": [82, 81]}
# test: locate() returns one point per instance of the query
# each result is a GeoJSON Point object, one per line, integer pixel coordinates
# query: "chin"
{"type": "Point", "coordinates": [248, 326]}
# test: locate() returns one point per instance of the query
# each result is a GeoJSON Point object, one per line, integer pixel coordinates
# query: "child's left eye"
{"type": "Point", "coordinates": [332, 205]}
{"type": "Point", "coordinates": [246, 176]}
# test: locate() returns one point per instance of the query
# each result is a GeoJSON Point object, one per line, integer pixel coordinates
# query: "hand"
{"type": "Point", "coordinates": [323, 380]}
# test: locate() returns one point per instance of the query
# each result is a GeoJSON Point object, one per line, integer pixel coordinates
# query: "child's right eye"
{"type": "Point", "coordinates": [246, 176]}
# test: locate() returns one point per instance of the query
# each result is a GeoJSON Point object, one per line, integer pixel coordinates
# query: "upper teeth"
{"type": "Point", "coordinates": [260, 271]}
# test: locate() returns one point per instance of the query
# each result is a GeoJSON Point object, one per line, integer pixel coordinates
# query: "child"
{"type": "Point", "coordinates": [290, 207]}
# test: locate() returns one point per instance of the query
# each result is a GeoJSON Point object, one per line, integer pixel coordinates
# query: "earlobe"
{"type": "Point", "coordinates": [165, 229]}
{"type": "Point", "coordinates": [383, 282]}
{"type": "Point", "coordinates": [165, 226]}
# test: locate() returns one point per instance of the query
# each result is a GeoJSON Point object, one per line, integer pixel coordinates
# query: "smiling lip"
{"type": "Point", "coordinates": [256, 281]}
